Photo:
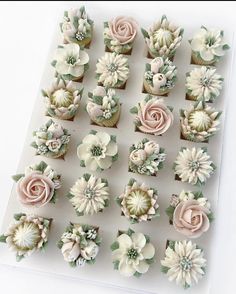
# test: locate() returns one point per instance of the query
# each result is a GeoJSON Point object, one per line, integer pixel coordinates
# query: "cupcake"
{"type": "Point", "coordinates": [62, 99]}
{"type": "Point", "coordinates": [193, 166]}
{"type": "Point", "coordinates": [163, 38]}
{"type": "Point", "coordinates": [146, 158]}
{"type": "Point", "coordinates": [89, 195]}
{"type": "Point", "coordinates": [98, 151]}
{"type": "Point", "coordinates": [77, 27]}
{"type": "Point", "coordinates": [208, 46]}
{"type": "Point", "coordinates": [51, 140]}
{"type": "Point", "coordinates": [190, 213]}
{"type": "Point", "coordinates": [138, 202]}
{"type": "Point", "coordinates": [71, 62]}
{"type": "Point", "coordinates": [119, 34]}
{"type": "Point", "coordinates": [203, 84]}
{"type": "Point", "coordinates": [38, 185]}
{"type": "Point", "coordinates": [199, 123]}
{"type": "Point", "coordinates": [112, 70]}
{"type": "Point", "coordinates": [132, 253]}
{"type": "Point", "coordinates": [152, 116]}
{"type": "Point", "coordinates": [103, 107]}
{"type": "Point", "coordinates": [27, 234]}
{"type": "Point", "coordinates": [160, 76]}
{"type": "Point", "coordinates": [79, 244]}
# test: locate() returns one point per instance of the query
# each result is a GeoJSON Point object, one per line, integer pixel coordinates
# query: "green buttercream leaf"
{"type": "Point", "coordinates": [17, 177]}
{"type": "Point", "coordinates": [134, 110]}
{"type": "Point", "coordinates": [3, 238]}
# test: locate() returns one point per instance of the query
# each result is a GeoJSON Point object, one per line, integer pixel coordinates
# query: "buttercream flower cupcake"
{"type": "Point", "coordinates": [152, 116]}
{"type": "Point", "coordinates": [199, 122]}
{"type": "Point", "coordinates": [138, 202]}
{"type": "Point", "coordinates": [71, 62]}
{"type": "Point", "coordinates": [77, 27]}
{"type": "Point", "coordinates": [79, 244]}
{"type": "Point", "coordinates": [183, 263]}
{"type": "Point", "coordinates": [146, 158]}
{"type": "Point", "coordinates": [27, 234]}
{"type": "Point", "coordinates": [132, 253]}
{"type": "Point", "coordinates": [193, 166]}
{"type": "Point", "coordinates": [163, 38]}
{"type": "Point", "coordinates": [160, 76]}
{"type": "Point", "coordinates": [89, 195]}
{"type": "Point", "coordinates": [62, 99]}
{"type": "Point", "coordinates": [103, 107]}
{"type": "Point", "coordinates": [190, 213]}
{"type": "Point", "coordinates": [38, 185]}
{"type": "Point", "coordinates": [208, 46]}
{"type": "Point", "coordinates": [51, 140]}
{"type": "Point", "coordinates": [203, 83]}
{"type": "Point", "coordinates": [112, 70]}
{"type": "Point", "coordinates": [119, 34]}
{"type": "Point", "coordinates": [98, 151]}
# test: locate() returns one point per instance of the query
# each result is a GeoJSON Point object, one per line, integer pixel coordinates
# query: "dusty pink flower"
{"type": "Point", "coordinates": [35, 189]}
{"type": "Point", "coordinates": [191, 219]}
{"type": "Point", "coordinates": [123, 29]}
{"type": "Point", "coordinates": [154, 116]}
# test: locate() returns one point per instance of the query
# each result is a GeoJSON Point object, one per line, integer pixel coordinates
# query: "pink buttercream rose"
{"type": "Point", "coordinates": [123, 29]}
{"type": "Point", "coordinates": [35, 189]}
{"type": "Point", "coordinates": [191, 219]}
{"type": "Point", "coordinates": [154, 116]}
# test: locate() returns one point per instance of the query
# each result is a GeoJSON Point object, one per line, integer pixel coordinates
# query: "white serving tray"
{"type": "Point", "coordinates": [110, 221]}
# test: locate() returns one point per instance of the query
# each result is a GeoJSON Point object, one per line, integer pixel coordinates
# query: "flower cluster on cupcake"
{"type": "Point", "coordinates": [190, 213]}
{"type": "Point", "coordinates": [27, 234]}
{"type": "Point", "coordinates": [70, 62]}
{"type": "Point", "coordinates": [89, 195]}
{"type": "Point", "coordinates": [139, 202]}
{"type": "Point", "coordinates": [203, 83]}
{"type": "Point", "coordinates": [79, 244]}
{"type": "Point", "coordinates": [77, 27]}
{"type": "Point", "coordinates": [160, 76]}
{"type": "Point", "coordinates": [146, 158]}
{"type": "Point", "coordinates": [163, 38]}
{"type": "Point", "coordinates": [98, 151]}
{"type": "Point", "coordinates": [119, 34]}
{"type": "Point", "coordinates": [184, 263]}
{"type": "Point", "coordinates": [208, 46]}
{"type": "Point", "coordinates": [132, 253]}
{"type": "Point", "coordinates": [62, 99]}
{"type": "Point", "coordinates": [152, 116]}
{"type": "Point", "coordinates": [103, 107]}
{"type": "Point", "coordinates": [194, 166]}
{"type": "Point", "coordinates": [51, 140]}
{"type": "Point", "coordinates": [38, 185]}
{"type": "Point", "coordinates": [112, 70]}
{"type": "Point", "coordinates": [199, 122]}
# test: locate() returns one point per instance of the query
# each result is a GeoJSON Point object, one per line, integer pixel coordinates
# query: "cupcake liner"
{"type": "Point", "coordinates": [199, 61]}
{"type": "Point", "coordinates": [122, 51]}
{"type": "Point", "coordinates": [148, 89]}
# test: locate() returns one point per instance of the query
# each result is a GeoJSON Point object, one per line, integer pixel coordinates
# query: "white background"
{"type": "Point", "coordinates": [26, 30]}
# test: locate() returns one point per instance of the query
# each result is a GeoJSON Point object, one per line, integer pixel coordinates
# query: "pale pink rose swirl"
{"type": "Point", "coordinates": [35, 189]}
{"type": "Point", "coordinates": [123, 29]}
{"type": "Point", "coordinates": [155, 118]}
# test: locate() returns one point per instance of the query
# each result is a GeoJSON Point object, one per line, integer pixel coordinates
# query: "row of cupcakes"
{"type": "Point", "coordinates": [162, 38]}
{"type": "Point", "coordinates": [189, 212]}
{"type": "Point", "coordinates": [132, 252]}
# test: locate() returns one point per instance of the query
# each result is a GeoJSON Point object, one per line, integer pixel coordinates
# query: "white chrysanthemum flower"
{"type": "Point", "coordinates": [133, 254]}
{"type": "Point", "coordinates": [112, 70]}
{"type": "Point", "coordinates": [98, 151]}
{"type": "Point", "coordinates": [89, 195]}
{"type": "Point", "coordinates": [184, 262]}
{"type": "Point", "coordinates": [204, 83]}
{"type": "Point", "coordinates": [139, 202]}
{"type": "Point", "coordinates": [200, 122]}
{"type": "Point", "coordinates": [208, 44]}
{"type": "Point", "coordinates": [193, 166]}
